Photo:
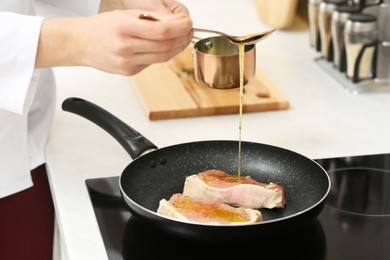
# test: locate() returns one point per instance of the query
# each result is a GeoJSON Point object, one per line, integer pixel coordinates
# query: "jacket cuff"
{"type": "Point", "coordinates": [18, 78]}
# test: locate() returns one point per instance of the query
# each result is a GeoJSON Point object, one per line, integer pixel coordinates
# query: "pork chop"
{"type": "Point", "coordinates": [235, 190]}
{"type": "Point", "coordinates": [206, 211]}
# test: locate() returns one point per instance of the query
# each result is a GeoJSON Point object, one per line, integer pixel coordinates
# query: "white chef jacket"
{"type": "Point", "coordinates": [27, 95]}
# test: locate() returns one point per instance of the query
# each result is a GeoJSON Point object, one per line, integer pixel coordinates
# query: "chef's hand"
{"type": "Point", "coordinates": [116, 41]}
{"type": "Point", "coordinates": [161, 6]}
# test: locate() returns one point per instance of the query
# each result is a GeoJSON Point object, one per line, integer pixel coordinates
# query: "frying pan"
{"type": "Point", "coordinates": [157, 173]}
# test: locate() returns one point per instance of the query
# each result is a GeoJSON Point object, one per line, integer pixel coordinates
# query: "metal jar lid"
{"type": "Point", "coordinates": [365, 3]}
{"type": "Point", "coordinates": [343, 12]}
{"type": "Point", "coordinates": [315, 2]}
{"type": "Point", "coordinates": [361, 23]}
{"type": "Point", "coordinates": [328, 6]}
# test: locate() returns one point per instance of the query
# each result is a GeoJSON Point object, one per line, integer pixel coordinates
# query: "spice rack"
{"type": "Point", "coordinates": [363, 24]}
{"type": "Point", "coordinates": [366, 86]}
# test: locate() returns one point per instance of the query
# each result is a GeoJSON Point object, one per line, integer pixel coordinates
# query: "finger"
{"type": "Point", "coordinates": [152, 58]}
{"type": "Point", "coordinates": [137, 45]}
{"type": "Point", "coordinates": [170, 26]}
{"type": "Point", "coordinates": [176, 7]}
{"type": "Point", "coordinates": [164, 6]}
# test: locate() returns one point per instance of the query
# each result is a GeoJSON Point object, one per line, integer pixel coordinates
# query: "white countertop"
{"type": "Point", "coordinates": [324, 120]}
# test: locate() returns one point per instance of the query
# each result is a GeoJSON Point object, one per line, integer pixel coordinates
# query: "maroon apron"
{"type": "Point", "coordinates": [27, 221]}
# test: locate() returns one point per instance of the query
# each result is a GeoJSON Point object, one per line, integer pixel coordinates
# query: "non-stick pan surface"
{"type": "Point", "coordinates": [161, 172]}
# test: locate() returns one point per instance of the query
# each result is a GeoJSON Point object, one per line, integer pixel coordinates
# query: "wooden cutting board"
{"type": "Point", "coordinates": [169, 90]}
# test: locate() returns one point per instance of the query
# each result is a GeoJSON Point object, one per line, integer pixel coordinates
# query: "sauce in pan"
{"type": "Point", "coordinates": [209, 209]}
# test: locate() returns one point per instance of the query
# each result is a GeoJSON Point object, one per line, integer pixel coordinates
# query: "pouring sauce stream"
{"type": "Point", "coordinates": [241, 51]}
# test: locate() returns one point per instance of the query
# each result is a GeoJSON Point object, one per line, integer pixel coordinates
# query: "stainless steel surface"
{"type": "Point", "coordinates": [366, 3]}
{"type": "Point", "coordinates": [362, 87]}
{"type": "Point", "coordinates": [355, 223]}
{"type": "Point", "coordinates": [361, 36]}
{"type": "Point", "coordinates": [327, 8]}
{"type": "Point", "coordinates": [375, 76]}
{"type": "Point", "coordinates": [249, 39]}
{"type": "Point", "coordinates": [361, 28]}
{"type": "Point", "coordinates": [339, 18]}
{"type": "Point", "coordinates": [314, 30]}
{"type": "Point", "coordinates": [383, 53]}
{"type": "Point", "coordinates": [216, 59]}
{"type": "Point", "coordinates": [216, 63]}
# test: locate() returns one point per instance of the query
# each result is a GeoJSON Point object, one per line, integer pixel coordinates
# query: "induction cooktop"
{"type": "Point", "coordinates": [354, 224]}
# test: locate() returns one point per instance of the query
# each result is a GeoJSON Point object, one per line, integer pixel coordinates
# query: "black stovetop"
{"type": "Point", "coordinates": [355, 223]}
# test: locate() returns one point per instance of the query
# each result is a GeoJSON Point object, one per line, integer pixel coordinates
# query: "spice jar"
{"type": "Point", "coordinates": [324, 18]}
{"type": "Point", "coordinates": [313, 9]}
{"type": "Point", "coordinates": [339, 18]}
{"type": "Point", "coordinates": [383, 53]}
{"type": "Point", "coordinates": [361, 34]}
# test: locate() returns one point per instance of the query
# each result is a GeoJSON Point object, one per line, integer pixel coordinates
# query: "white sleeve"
{"type": "Point", "coordinates": [56, 8]}
{"type": "Point", "coordinates": [18, 48]}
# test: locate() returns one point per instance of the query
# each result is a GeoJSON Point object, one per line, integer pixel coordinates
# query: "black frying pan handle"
{"type": "Point", "coordinates": [134, 143]}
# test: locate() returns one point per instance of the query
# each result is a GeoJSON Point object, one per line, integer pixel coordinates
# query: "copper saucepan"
{"type": "Point", "coordinates": [216, 63]}
{"type": "Point", "coordinates": [216, 59]}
